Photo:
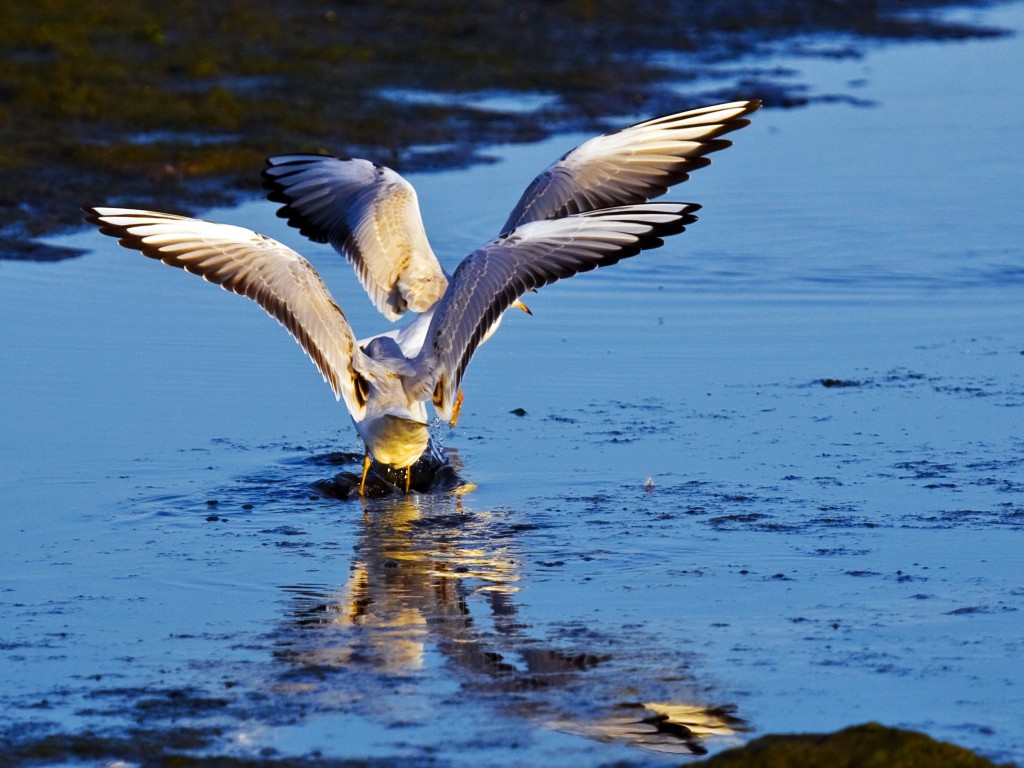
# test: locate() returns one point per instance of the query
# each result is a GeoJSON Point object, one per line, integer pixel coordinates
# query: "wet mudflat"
{"type": "Point", "coordinates": [177, 101]}
{"type": "Point", "coordinates": [823, 379]}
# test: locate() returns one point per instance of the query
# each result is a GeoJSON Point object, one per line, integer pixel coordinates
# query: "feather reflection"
{"type": "Point", "coordinates": [429, 607]}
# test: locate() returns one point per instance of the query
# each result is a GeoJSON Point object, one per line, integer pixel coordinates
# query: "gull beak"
{"type": "Point", "coordinates": [520, 305]}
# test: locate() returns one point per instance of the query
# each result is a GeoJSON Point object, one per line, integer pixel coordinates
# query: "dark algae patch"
{"type": "Point", "coordinates": [172, 748]}
{"type": "Point", "coordinates": [863, 746]}
{"type": "Point", "coordinates": [175, 104]}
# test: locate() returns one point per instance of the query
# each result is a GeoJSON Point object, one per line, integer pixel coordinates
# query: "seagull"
{"type": "Point", "coordinates": [370, 214]}
{"type": "Point", "coordinates": [588, 209]}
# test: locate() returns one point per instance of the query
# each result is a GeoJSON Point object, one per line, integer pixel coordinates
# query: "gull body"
{"type": "Point", "coordinates": [588, 209]}
{"type": "Point", "coordinates": [395, 424]}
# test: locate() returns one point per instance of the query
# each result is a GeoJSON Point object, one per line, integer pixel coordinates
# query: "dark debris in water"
{"type": "Point", "coordinates": [833, 383]}
{"type": "Point", "coordinates": [969, 386]}
{"type": "Point", "coordinates": [923, 469]}
{"type": "Point", "coordinates": [892, 378]}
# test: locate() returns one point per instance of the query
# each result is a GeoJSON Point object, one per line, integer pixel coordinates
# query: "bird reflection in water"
{"type": "Point", "coordinates": [430, 603]}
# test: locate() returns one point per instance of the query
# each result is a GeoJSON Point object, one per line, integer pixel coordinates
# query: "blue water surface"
{"type": "Point", "coordinates": [807, 556]}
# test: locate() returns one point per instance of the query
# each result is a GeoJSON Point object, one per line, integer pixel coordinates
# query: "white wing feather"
{"type": "Point", "coordinates": [629, 166]}
{"type": "Point", "coordinates": [371, 215]}
{"type": "Point", "coordinates": [269, 273]}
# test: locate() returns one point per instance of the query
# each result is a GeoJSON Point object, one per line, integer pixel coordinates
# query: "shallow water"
{"type": "Point", "coordinates": [809, 556]}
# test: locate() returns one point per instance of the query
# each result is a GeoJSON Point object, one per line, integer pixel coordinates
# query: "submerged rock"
{"type": "Point", "coordinates": [862, 746]}
{"type": "Point", "coordinates": [432, 473]}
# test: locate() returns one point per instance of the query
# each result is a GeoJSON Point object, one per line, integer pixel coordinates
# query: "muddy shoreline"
{"type": "Point", "coordinates": [174, 105]}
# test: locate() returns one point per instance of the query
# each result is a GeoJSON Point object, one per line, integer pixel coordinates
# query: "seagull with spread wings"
{"type": "Point", "coordinates": [588, 209]}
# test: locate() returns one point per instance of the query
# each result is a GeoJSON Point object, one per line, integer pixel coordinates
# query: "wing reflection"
{"type": "Point", "coordinates": [661, 727]}
{"type": "Point", "coordinates": [430, 602]}
{"type": "Point", "coordinates": [417, 566]}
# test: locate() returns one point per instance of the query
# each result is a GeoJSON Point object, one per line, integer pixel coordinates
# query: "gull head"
{"type": "Point", "coordinates": [395, 439]}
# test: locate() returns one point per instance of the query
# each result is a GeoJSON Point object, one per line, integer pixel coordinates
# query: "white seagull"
{"type": "Point", "coordinates": [588, 209]}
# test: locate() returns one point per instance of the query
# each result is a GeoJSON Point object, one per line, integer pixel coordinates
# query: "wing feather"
{"type": "Point", "coordinates": [369, 214]}
{"type": "Point", "coordinates": [264, 270]}
{"type": "Point", "coordinates": [629, 166]}
{"type": "Point", "coordinates": [536, 254]}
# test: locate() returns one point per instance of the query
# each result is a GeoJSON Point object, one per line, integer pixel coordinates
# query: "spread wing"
{"type": "Point", "coordinates": [371, 215]}
{"type": "Point", "coordinates": [533, 255]}
{"type": "Point", "coordinates": [269, 273]}
{"type": "Point", "coordinates": [630, 166]}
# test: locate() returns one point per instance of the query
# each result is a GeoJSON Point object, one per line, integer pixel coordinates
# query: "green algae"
{"type": "Point", "coordinates": [177, 102]}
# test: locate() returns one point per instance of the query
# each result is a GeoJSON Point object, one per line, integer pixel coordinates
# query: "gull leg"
{"type": "Point", "coordinates": [366, 469]}
{"type": "Point", "coordinates": [462, 490]}
{"type": "Point", "coordinates": [408, 477]}
{"type": "Point", "coordinates": [456, 409]}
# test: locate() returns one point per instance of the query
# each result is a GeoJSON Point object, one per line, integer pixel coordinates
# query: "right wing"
{"type": "Point", "coordinates": [490, 279]}
{"type": "Point", "coordinates": [269, 273]}
{"type": "Point", "coordinates": [629, 166]}
{"type": "Point", "coordinates": [371, 215]}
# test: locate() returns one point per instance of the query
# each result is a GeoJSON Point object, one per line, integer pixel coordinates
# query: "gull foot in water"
{"type": "Point", "coordinates": [430, 474]}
